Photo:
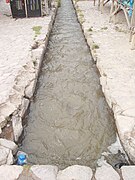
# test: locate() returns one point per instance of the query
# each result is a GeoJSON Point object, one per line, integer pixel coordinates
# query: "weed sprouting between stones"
{"type": "Point", "coordinates": [90, 29]}
{"type": "Point", "coordinates": [104, 28]}
{"type": "Point", "coordinates": [59, 2]}
{"type": "Point", "coordinates": [37, 29]}
{"type": "Point", "coordinates": [95, 46]}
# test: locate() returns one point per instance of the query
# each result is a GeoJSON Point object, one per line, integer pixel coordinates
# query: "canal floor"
{"type": "Point", "coordinates": [69, 120]}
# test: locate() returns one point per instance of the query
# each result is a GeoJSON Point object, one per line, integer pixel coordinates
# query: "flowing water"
{"type": "Point", "coordinates": [69, 120]}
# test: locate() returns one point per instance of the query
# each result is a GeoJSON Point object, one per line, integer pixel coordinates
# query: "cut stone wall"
{"type": "Point", "coordinates": [21, 57]}
{"type": "Point", "coordinates": [111, 51]}
{"type": "Point", "coordinates": [76, 172]}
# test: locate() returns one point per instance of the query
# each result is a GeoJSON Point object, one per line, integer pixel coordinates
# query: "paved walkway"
{"type": "Point", "coordinates": [116, 62]}
{"type": "Point", "coordinates": [16, 65]}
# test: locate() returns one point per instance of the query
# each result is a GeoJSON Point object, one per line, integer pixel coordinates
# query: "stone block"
{"type": "Point", "coordinates": [128, 172]}
{"type": "Point", "coordinates": [5, 156]}
{"type": "Point", "coordinates": [30, 89]}
{"type": "Point", "coordinates": [45, 172]}
{"type": "Point", "coordinates": [8, 144]}
{"type": "Point", "coordinates": [17, 127]}
{"type": "Point", "coordinates": [10, 158]}
{"type": "Point", "coordinates": [3, 121]}
{"type": "Point", "coordinates": [106, 172]}
{"type": "Point", "coordinates": [8, 172]}
{"type": "Point", "coordinates": [24, 107]}
{"type": "Point", "coordinates": [124, 124]}
{"type": "Point", "coordinates": [75, 172]}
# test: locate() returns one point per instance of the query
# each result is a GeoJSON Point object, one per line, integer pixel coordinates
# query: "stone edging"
{"type": "Point", "coordinates": [76, 172]}
{"type": "Point", "coordinates": [13, 123]}
{"type": "Point", "coordinates": [126, 138]}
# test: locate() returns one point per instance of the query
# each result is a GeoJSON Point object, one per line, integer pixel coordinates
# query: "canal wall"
{"type": "Point", "coordinates": [23, 44]}
{"type": "Point", "coordinates": [76, 172]}
{"type": "Point", "coordinates": [111, 51]}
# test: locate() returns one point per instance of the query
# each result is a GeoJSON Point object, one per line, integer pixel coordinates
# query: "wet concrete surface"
{"type": "Point", "coordinates": [69, 120]}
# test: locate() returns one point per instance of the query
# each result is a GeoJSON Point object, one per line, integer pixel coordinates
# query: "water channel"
{"type": "Point", "coordinates": [69, 120]}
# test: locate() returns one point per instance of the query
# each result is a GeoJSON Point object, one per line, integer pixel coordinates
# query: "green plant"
{"type": "Point", "coordinates": [58, 2]}
{"type": "Point", "coordinates": [26, 167]}
{"type": "Point", "coordinates": [90, 29]}
{"type": "Point", "coordinates": [104, 28]}
{"type": "Point", "coordinates": [81, 14]}
{"type": "Point", "coordinates": [78, 10]}
{"type": "Point", "coordinates": [95, 46]}
{"type": "Point", "coordinates": [37, 29]}
{"type": "Point", "coordinates": [81, 17]}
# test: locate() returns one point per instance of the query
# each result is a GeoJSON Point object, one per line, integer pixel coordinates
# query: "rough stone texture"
{"type": "Point", "coordinates": [45, 172]}
{"type": "Point", "coordinates": [6, 156]}
{"type": "Point", "coordinates": [128, 172]}
{"type": "Point", "coordinates": [3, 122]}
{"type": "Point", "coordinates": [29, 91]}
{"type": "Point", "coordinates": [18, 71]}
{"type": "Point", "coordinates": [110, 47]}
{"type": "Point", "coordinates": [106, 172]}
{"type": "Point", "coordinates": [27, 175]}
{"type": "Point", "coordinates": [24, 107]}
{"type": "Point", "coordinates": [10, 172]}
{"type": "Point", "coordinates": [17, 127]}
{"type": "Point", "coordinates": [75, 172]}
{"type": "Point", "coordinates": [10, 159]}
{"type": "Point", "coordinates": [8, 144]}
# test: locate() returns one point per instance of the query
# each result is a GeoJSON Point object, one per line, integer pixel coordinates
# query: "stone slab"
{"type": "Point", "coordinates": [8, 172]}
{"type": "Point", "coordinates": [106, 172]}
{"type": "Point", "coordinates": [75, 172]}
{"type": "Point", "coordinates": [17, 127]}
{"type": "Point", "coordinates": [45, 172]}
{"type": "Point", "coordinates": [8, 144]}
{"type": "Point", "coordinates": [17, 69]}
{"type": "Point", "coordinates": [111, 50]}
{"type": "Point", "coordinates": [128, 172]}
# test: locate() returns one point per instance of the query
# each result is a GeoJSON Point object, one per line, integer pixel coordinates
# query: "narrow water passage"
{"type": "Point", "coordinates": [69, 120]}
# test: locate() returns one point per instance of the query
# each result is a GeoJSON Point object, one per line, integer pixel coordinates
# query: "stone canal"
{"type": "Point", "coordinates": [69, 120]}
